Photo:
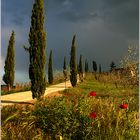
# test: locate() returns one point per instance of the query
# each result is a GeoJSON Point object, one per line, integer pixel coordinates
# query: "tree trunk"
{"type": "Point", "coordinates": [9, 87]}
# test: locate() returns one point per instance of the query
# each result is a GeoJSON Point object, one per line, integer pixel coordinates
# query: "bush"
{"type": "Point", "coordinates": [70, 118]}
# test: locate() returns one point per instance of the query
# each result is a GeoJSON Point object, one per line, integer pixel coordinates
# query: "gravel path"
{"type": "Point", "coordinates": [23, 97]}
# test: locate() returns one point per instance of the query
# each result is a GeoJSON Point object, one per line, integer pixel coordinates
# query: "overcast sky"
{"type": "Point", "coordinates": [103, 28]}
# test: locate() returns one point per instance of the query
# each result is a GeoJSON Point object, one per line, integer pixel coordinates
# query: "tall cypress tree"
{"type": "Point", "coordinates": [112, 66]}
{"type": "Point", "coordinates": [9, 67]}
{"type": "Point", "coordinates": [80, 68]}
{"type": "Point", "coordinates": [64, 65]}
{"type": "Point", "coordinates": [100, 69]}
{"type": "Point", "coordinates": [50, 69]}
{"type": "Point", "coordinates": [81, 64]}
{"type": "Point", "coordinates": [73, 65]}
{"type": "Point", "coordinates": [94, 66]}
{"type": "Point", "coordinates": [65, 70]}
{"type": "Point", "coordinates": [86, 66]}
{"type": "Point", "coordinates": [37, 41]}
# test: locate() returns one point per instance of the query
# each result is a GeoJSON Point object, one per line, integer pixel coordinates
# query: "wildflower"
{"type": "Point", "coordinates": [124, 106]}
{"type": "Point", "coordinates": [65, 94]}
{"type": "Point", "coordinates": [93, 115]}
{"type": "Point", "coordinates": [61, 138]}
{"type": "Point", "coordinates": [93, 93]}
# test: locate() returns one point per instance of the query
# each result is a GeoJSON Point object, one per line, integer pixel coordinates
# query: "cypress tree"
{"type": "Point", "coordinates": [100, 69]}
{"type": "Point", "coordinates": [112, 66]}
{"type": "Point", "coordinates": [64, 65]}
{"type": "Point", "coordinates": [73, 65]}
{"type": "Point", "coordinates": [80, 68]}
{"type": "Point", "coordinates": [37, 41]}
{"type": "Point", "coordinates": [86, 66]}
{"type": "Point", "coordinates": [9, 67]}
{"type": "Point", "coordinates": [81, 64]}
{"type": "Point", "coordinates": [50, 69]}
{"type": "Point", "coordinates": [65, 70]}
{"type": "Point", "coordinates": [94, 66]}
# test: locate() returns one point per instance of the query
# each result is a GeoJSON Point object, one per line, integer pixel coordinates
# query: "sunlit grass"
{"type": "Point", "coordinates": [68, 116]}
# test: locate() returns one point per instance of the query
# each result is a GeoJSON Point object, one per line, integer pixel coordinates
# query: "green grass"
{"type": "Point", "coordinates": [102, 89]}
{"type": "Point", "coordinates": [108, 89]}
{"type": "Point", "coordinates": [69, 116]}
{"type": "Point", "coordinates": [15, 91]}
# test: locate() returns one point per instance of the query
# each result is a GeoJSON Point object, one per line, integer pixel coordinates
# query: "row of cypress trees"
{"type": "Point", "coordinates": [36, 50]}
{"type": "Point", "coordinates": [37, 56]}
{"type": "Point", "coordinates": [9, 65]}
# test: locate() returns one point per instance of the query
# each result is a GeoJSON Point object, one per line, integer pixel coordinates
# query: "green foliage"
{"type": "Point", "coordinates": [37, 41]}
{"type": "Point", "coordinates": [15, 91]}
{"type": "Point", "coordinates": [69, 116]}
{"type": "Point", "coordinates": [65, 72]}
{"type": "Point", "coordinates": [112, 66]}
{"type": "Point", "coordinates": [86, 66]}
{"type": "Point", "coordinates": [9, 67]}
{"type": "Point", "coordinates": [104, 86]}
{"type": "Point", "coordinates": [80, 68]}
{"type": "Point", "coordinates": [50, 69]}
{"type": "Point", "coordinates": [64, 65]}
{"type": "Point", "coordinates": [100, 69]}
{"type": "Point", "coordinates": [73, 65]}
{"type": "Point", "coordinates": [17, 123]}
{"type": "Point", "coordinates": [94, 66]}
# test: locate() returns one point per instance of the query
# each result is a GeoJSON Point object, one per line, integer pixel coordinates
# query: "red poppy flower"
{"type": "Point", "coordinates": [124, 106]}
{"type": "Point", "coordinates": [65, 94]}
{"type": "Point", "coordinates": [93, 115]}
{"type": "Point", "coordinates": [93, 93]}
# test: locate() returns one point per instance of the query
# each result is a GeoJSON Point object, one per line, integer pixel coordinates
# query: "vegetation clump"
{"type": "Point", "coordinates": [9, 67]}
{"type": "Point", "coordinates": [73, 65]}
{"type": "Point", "coordinates": [87, 111]}
{"type": "Point", "coordinates": [50, 69]}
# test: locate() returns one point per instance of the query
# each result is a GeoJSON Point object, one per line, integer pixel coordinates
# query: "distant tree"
{"type": "Point", "coordinates": [37, 52]}
{"type": "Point", "coordinates": [112, 66]}
{"type": "Point", "coordinates": [73, 65]}
{"type": "Point", "coordinates": [86, 66]}
{"type": "Point", "coordinates": [130, 64]}
{"type": "Point", "coordinates": [50, 69]}
{"type": "Point", "coordinates": [80, 68]}
{"type": "Point", "coordinates": [100, 69]}
{"type": "Point", "coordinates": [64, 65]}
{"type": "Point", "coordinates": [94, 66]}
{"type": "Point", "coordinates": [9, 67]}
{"type": "Point", "coordinates": [65, 70]}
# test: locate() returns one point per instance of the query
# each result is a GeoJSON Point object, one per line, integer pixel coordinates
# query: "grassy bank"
{"type": "Point", "coordinates": [77, 115]}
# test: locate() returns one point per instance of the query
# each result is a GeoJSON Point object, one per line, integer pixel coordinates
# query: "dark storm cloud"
{"type": "Point", "coordinates": [102, 27]}
{"type": "Point", "coordinates": [120, 15]}
{"type": "Point", "coordinates": [77, 17]}
{"type": "Point", "coordinates": [15, 13]}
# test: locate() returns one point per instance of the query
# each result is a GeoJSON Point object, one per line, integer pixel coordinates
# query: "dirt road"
{"type": "Point", "coordinates": [23, 97]}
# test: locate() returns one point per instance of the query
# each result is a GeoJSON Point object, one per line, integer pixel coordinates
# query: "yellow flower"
{"type": "Point", "coordinates": [61, 138]}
